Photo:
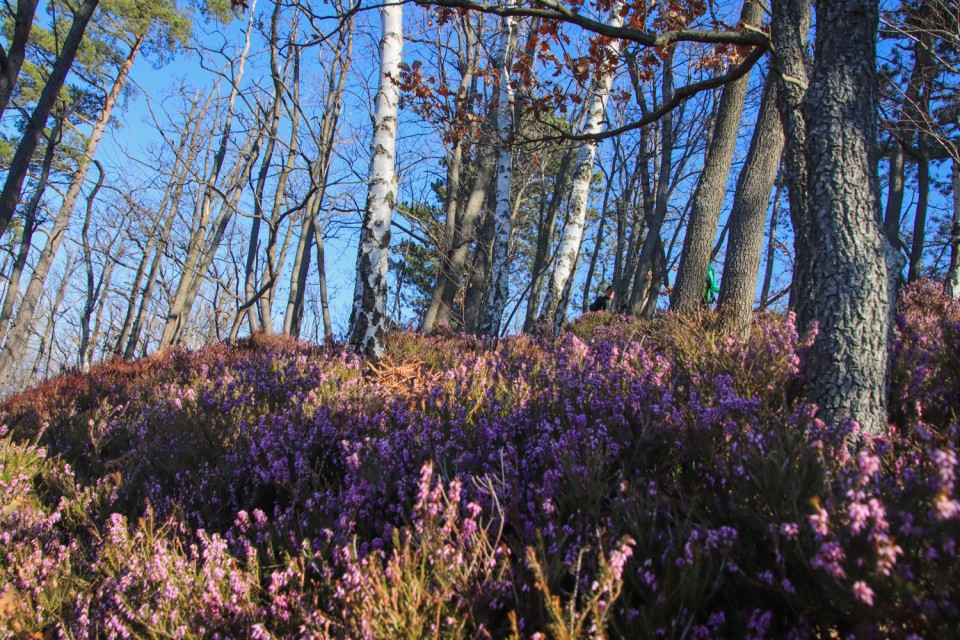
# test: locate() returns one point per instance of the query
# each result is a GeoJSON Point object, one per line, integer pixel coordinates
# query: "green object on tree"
{"type": "Point", "coordinates": [711, 287]}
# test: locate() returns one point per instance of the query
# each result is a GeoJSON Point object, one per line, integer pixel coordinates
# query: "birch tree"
{"type": "Point", "coordinates": [370, 292]}
{"type": "Point", "coordinates": [554, 309]}
{"type": "Point", "coordinates": [500, 287]}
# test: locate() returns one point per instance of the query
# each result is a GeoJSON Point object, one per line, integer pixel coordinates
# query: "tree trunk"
{"type": "Point", "coordinates": [319, 172]}
{"type": "Point", "coordinates": [920, 215]}
{"type": "Point", "coordinates": [12, 60]}
{"type": "Point", "coordinates": [182, 166]}
{"type": "Point", "coordinates": [750, 204]}
{"type": "Point", "coordinates": [200, 248]}
{"type": "Point", "coordinates": [771, 244]}
{"type": "Point", "coordinates": [648, 276]}
{"type": "Point", "coordinates": [553, 313]}
{"type": "Point", "coordinates": [24, 319]}
{"type": "Point", "coordinates": [369, 299]}
{"type": "Point", "coordinates": [29, 227]}
{"type": "Point", "coordinates": [93, 288]}
{"type": "Point", "coordinates": [789, 27]}
{"type": "Point", "coordinates": [847, 366]}
{"type": "Point", "coordinates": [953, 273]}
{"type": "Point", "coordinates": [460, 218]}
{"type": "Point", "coordinates": [712, 186]}
{"type": "Point", "coordinates": [546, 230]}
{"type": "Point", "coordinates": [19, 165]}
{"type": "Point", "coordinates": [502, 227]}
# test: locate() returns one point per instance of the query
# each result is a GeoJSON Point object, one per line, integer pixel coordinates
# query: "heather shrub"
{"type": "Point", "coordinates": [35, 552]}
{"type": "Point", "coordinates": [157, 582]}
{"type": "Point", "coordinates": [440, 579]}
{"type": "Point", "coordinates": [628, 479]}
{"type": "Point", "coordinates": [926, 376]}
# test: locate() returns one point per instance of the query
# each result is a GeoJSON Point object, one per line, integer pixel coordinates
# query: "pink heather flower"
{"type": "Point", "coordinates": [829, 557]}
{"type": "Point", "coordinates": [946, 461]}
{"type": "Point", "coordinates": [618, 559]}
{"type": "Point", "coordinates": [863, 593]}
{"type": "Point", "coordinates": [858, 513]}
{"type": "Point", "coordinates": [790, 529]}
{"type": "Point", "coordinates": [869, 464]}
{"type": "Point", "coordinates": [820, 521]}
{"type": "Point", "coordinates": [945, 508]}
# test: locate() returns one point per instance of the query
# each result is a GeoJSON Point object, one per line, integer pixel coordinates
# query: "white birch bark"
{"type": "Point", "coordinates": [502, 223]}
{"type": "Point", "coordinates": [554, 309]}
{"type": "Point", "coordinates": [370, 293]}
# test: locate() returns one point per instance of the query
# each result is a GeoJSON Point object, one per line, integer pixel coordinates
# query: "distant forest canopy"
{"type": "Point", "coordinates": [182, 172]}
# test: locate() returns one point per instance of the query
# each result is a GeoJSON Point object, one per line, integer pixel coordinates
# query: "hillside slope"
{"type": "Point", "coordinates": [629, 480]}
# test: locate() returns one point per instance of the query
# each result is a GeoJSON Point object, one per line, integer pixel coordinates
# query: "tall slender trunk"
{"type": "Point", "coordinates": [891, 220]}
{"type": "Point", "coordinates": [771, 244]}
{"type": "Point", "coordinates": [502, 227]}
{"type": "Point", "coordinates": [29, 227]}
{"type": "Point", "coordinates": [19, 165]}
{"type": "Point", "coordinates": [554, 309]}
{"type": "Point", "coordinates": [324, 299]}
{"type": "Point", "coordinates": [648, 276]}
{"type": "Point", "coordinates": [920, 214]}
{"type": "Point", "coordinates": [200, 248]}
{"type": "Point", "coordinates": [750, 204]}
{"type": "Point", "coordinates": [370, 294]}
{"type": "Point", "coordinates": [546, 230]}
{"type": "Point", "coordinates": [319, 172]}
{"type": "Point", "coordinates": [255, 319]}
{"type": "Point", "coordinates": [712, 186]}
{"type": "Point", "coordinates": [49, 330]}
{"type": "Point", "coordinates": [24, 319]}
{"type": "Point", "coordinates": [953, 273]}
{"type": "Point", "coordinates": [11, 60]}
{"type": "Point", "coordinates": [597, 246]}
{"type": "Point", "coordinates": [93, 288]}
{"type": "Point", "coordinates": [460, 216]}
{"type": "Point", "coordinates": [789, 27]}
{"type": "Point", "coordinates": [167, 212]}
{"type": "Point", "coordinates": [847, 366]}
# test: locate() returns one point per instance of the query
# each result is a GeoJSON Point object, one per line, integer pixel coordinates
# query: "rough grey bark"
{"type": "Point", "coordinates": [790, 23]}
{"type": "Point", "coordinates": [847, 366]}
{"type": "Point", "coordinates": [750, 203]}
{"type": "Point", "coordinates": [712, 186]}
{"type": "Point", "coordinates": [17, 171]}
{"type": "Point", "coordinates": [370, 294]}
{"type": "Point", "coordinates": [11, 60]}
